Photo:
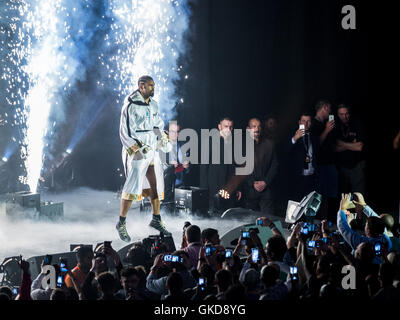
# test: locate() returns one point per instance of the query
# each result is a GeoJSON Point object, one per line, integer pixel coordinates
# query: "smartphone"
{"type": "Point", "coordinates": [63, 265]}
{"type": "Point", "coordinates": [260, 222]}
{"type": "Point", "coordinates": [202, 283]}
{"type": "Point", "coordinates": [311, 227]}
{"type": "Point", "coordinates": [168, 258]}
{"type": "Point", "coordinates": [47, 259]}
{"type": "Point", "coordinates": [15, 291]}
{"type": "Point", "coordinates": [331, 117]}
{"type": "Point", "coordinates": [209, 250]}
{"type": "Point", "coordinates": [311, 244]}
{"type": "Point", "coordinates": [301, 127]}
{"type": "Point", "coordinates": [293, 272]}
{"type": "Point", "coordinates": [304, 229]}
{"type": "Point", "coordinates": [228, 253]}
{"type": "Point", "coordinates": [377, 249]}
{"type": "Point", "coordinates": [60, 281]}
{"type": "Point", "coordinates": [254, 255]}
{"type": "Point", "coordinates": [245, 234]}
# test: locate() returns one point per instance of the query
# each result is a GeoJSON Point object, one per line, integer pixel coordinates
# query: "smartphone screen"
{"type": "Point", "coordinates": [254, 255]}
{"type": "Point", "coordinates": [60, 281]}
{"type": "Point", "coordinates": [167, 257]}
{"type": "Point", "coordinates": [228, 253]}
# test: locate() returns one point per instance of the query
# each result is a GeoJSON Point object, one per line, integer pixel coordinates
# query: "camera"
{"type": "Point", "coordinates": [254, 255]}
{"type": "Point", "coordinates": [228, 253]}
{"type": "Point", "coordinates": [293, 272]}
{"type": "Point", "coordinates": [377, 248]}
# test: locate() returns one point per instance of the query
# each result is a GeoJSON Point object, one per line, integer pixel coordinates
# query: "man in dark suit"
{"type": "Point", "coordinates": [301, 149]}
{"type": "Point", "coordinates": [175, 167]}
{"type": "Point", "coordinates": [257, 186]}
{"type": "Point", "coordinates": [214, 176]}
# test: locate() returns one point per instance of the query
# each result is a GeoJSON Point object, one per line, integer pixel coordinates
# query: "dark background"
{"type": "Point", "coordinates": [260, 57]}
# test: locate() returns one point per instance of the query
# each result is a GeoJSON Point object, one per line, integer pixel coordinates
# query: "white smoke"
{"type": "Point", "coordinates": [90, 217]}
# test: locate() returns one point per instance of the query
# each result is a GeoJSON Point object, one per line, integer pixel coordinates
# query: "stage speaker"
{"type": "Point", "coordinates": [51, 210]}
{"type": "Point", "coordinates": [192, 199]}
{"type": "Point", "coordinates": [36, 262]}
{"type": "Point", "coordinates": [230, 238]}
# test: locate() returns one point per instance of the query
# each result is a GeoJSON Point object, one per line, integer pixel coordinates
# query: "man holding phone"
{"type": "Point", "coordinates": [302, 161]}
{"type": "Point", "coordinates": [322, 128]}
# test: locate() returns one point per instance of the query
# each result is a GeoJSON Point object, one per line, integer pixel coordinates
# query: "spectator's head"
{"type": "Point", "coordinates": [173, 130]}
{"type": "Point", "coordinates": [251, 280]}
{"type": "Point", "coordinates": [4, 297]}
{"type": "Point", "coordinates": [210, 235]}
{"type": "Point", "coordinates": [129, 280]}
{"type": "Point", "coordinates": [6, 290]}
{"type": "Point", "coordinates": [236, 293]}
{"type": "Point", "coordinates": [344, 113]}
{"type": "Point", "coordinates": [138, 255]}
{"type": "Point", "coordinates": [223, 279]}
{"type": "Point", "coordinates": [207, 272]}
{"type": "Point", "coordinates": [374, 227]}
{"type": "Point", "coordinates": [106, 283]}
{"type": "Point", "coordinates": [174, 283]}
{"type": "Point", "coordinates": [101, 260]}
{"type": "Point", "coordinates": [365, 253]}
{"type": "Point", "coordinates": [58, 294]}
{"type": "Point", "coordinates": [329, 292]}
{"type": "Point", "coordinates": [387, 220]}
{"type": "Point", "coordinates": [71, 294]}
{"type": "Point", "coordinates": [193, 234]}
{"type": "Point", "coordinates": [276, 248]}
{"type": "Point", "coordinates": [322, 266]}
{"type": "Point", "coordinates": [225, 127]}
{"type": "Point", "coordinates": [269, 275]}
{"type": "Point", "coordinates": [323, 109]}
{"type": "Point", "coordinates": [84, 256]}
{"type": "Point", "coordinates": [254, 127]}
{"type": "Point", "coordinates": [271, 124]}
{"type": "Point", "coordinates": [386, 274]}
{"type": "Point", "coordinates": [305, 119]}
{"type": "Point", "coordinates": [142, 276]}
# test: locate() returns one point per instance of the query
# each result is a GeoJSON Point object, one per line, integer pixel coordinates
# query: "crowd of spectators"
{"type": "Point", "coordinates": [312, 263]}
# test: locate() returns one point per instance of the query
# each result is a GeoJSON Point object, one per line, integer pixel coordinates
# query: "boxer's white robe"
{"type": "Point", "coordinates": [137, 115]}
